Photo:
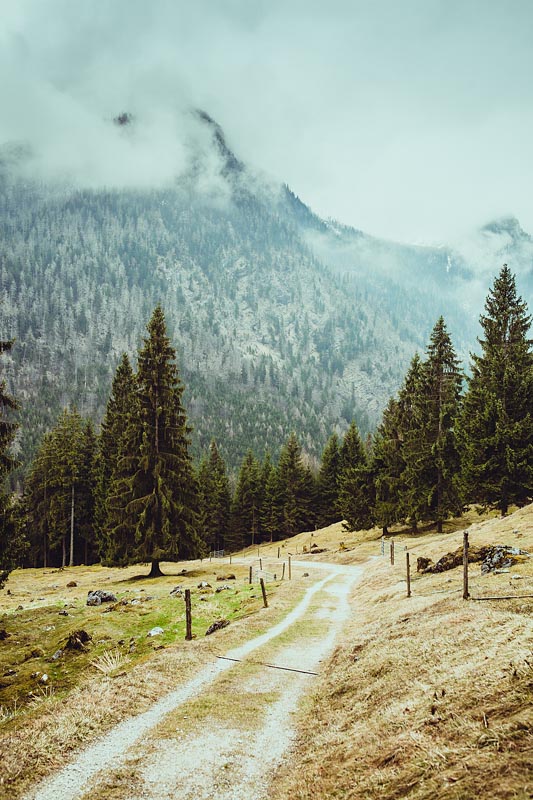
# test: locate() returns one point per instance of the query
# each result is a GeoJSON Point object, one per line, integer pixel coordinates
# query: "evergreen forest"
{"type": "Point", "coordinates": [131, 491]}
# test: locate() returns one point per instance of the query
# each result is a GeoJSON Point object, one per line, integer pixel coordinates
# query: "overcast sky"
{"type": "Point", "coordinates": [410, 119]}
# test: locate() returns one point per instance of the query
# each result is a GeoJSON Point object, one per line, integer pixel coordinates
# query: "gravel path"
{"type": "Point", "coordinates": [219, 759]}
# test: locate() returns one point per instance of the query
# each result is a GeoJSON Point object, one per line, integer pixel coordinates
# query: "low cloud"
{"type": "Point", "coordinates": [408, 120]}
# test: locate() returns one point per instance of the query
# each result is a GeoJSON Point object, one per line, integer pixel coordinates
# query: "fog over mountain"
{"type": "Point", "coordinates": [282, 320]}
{"type": "Point", "coordinates": [411, 121]}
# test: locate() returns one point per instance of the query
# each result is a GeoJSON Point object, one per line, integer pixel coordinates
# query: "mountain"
{"type": "Point", "coordinates": [281, 320]}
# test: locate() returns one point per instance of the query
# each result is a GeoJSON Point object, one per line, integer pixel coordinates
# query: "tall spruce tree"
{"type": "Point", "coordinates": [214, 499]}
{"type": "Point", "coordinates": [328, 483]}
{"type": "Point", "coordinates": [294, 487]}
{"type": "Point", "coordinates": [247, 503]}
{"type": "Point", "coordinates": [355, 482]}
{"type": "Point", "coordinates": [430, 452]}
{"type": "Point", "coordinates": [121, 406]}
{"type": "Point", "coordinates": [496, 429]}
{"type": "Point", "coordinates": [155, 496]}
{"type": "Point", "coordinates": [12, 543]}
{"type": "Point", "coordinates": [387, 468]}
{"type": "Point", "coordinates": [59, 492]}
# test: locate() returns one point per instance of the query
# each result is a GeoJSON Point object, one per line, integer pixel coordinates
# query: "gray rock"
{"type": "Point", "coordinates": [157, 631]}
{"type": "Point", "coordinates": [104, 596]}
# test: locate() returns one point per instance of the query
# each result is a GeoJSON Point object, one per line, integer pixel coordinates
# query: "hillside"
{"type": "Point", "coordinates": [281, 320]}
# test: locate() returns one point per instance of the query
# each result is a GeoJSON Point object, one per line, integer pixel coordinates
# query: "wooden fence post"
{"type": "Point", "coordinates": [290, 574]}
{"type": "Point", "coordinates": [283, 572]}
{"type": "Point", "coordinates": [466, 594]}
{"type": "Point", "coordinates": [408, 567]}
{"type": "Point", "coordinates": [278, 552]}
{"type": "Point", "coordinates": [265, 601]}
{"type": "Point", "coordinates": [230, 558]}
{"type": "Point", "coordinates": [260, 563]}
{"type": "Point", "coordinates": [392, 551]}
{"type": "Point", "coordinates": [250, 575]}
{"type": "Point", "coordinates": [188, 615]}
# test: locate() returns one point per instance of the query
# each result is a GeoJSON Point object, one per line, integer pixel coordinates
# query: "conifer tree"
{"type": "Point", "coordinates": [87, 489]}
{"type": "Point", "coordinates": [430, 452]}
{"type": "Point", "coordinates": [214, 499]}
{"type": "Point", "coordinates": [121, 406]}
{"type": "Point", "coordinates": [355, 482]}
{"type": "Point", "coordinates": [12, 543]}
{"type": "Point", "coordinates": [156, 494]}
{"type": "Point", "coordinates": [387, 468]}
{"type": "Point", "coordinates": [293, 486]}
{"type": "Point", "coordinates": [247, 503]}
{"type": "Point", "coordinates": [407, 423]}
{"type": "Point", "coordinates": [59, 488]}
{"type": "Point", "coordinates": [496, 429]}
{"type": "Point", "coordinates": [328, 483]}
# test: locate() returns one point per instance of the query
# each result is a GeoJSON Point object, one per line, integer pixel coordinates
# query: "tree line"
{"type": "Point", "coordinates": [132, 493]}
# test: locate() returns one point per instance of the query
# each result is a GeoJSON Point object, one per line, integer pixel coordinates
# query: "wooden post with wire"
{"type": "Point", "coordinates": [260, 563]}
{"type": "Point", "coordinates": [290, 573]}
{"type": "Point", "coordinates": [408, 568]}
{"type": "Point", "coordinates": [392, 551]}
{"type": "Point", "coordinates": [188, 615]}
{"type": "Point", "coordinates": [263, 590]}
{"type": "Point", "coordinates": [278, 552]}
{"type": "Point", "coordinates": [283, 572]}
{"type": "Point", "coordinates": [250, 575]}
{"type": "Point", "coordinates": [466, 594]}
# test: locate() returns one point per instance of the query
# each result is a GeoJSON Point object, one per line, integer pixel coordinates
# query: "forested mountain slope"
{"type": "Point", "coordinates": [281, 321]}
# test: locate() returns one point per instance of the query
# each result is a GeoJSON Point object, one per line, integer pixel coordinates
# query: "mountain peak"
{"type": "Point", "coordinates": [232, 163]}
{"type": "Point", "coordinates": [508, 224]}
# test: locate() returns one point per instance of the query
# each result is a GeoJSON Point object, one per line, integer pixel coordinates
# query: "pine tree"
{"type": "Point", "coordinates": [59, 492]}
{"type": "Point", "coordinates": [156, 493]}
{"type": "Point", "coordinates": [12, 543]}
{"type": "Point", "coordinates": [387, 468]}
{"type": "Point", "coordinates": [121, 406]}
{"type": "Point", "coordinates": [355, 482]}
{"type": "Point", "coordinates": [247, 503]}
{"type": "Point", "coordinates": [87, 489]}
{"type": "Point", "coordinates": [214, 499]}
{"type": "Point", "coordinates": [293, 483]}
{"type": "Point", "coordinates": [430, 451]}
{"type": "Point", "coordinates": [328, 483]}
{"type": "Point", "coordinates": [496, 429]}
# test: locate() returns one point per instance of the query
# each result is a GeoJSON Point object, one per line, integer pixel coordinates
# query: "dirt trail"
{"type": "Point", "coordinates": [223, 733]}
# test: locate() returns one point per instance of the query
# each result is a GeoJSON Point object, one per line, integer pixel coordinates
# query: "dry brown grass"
{"type": "Point", "coordinates": [429, 697]}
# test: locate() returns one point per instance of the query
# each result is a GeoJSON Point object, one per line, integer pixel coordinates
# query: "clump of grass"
{"type": "Point", "coordinates": [110, 661]}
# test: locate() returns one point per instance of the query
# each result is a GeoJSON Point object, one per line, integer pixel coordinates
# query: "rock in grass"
{"type": "Point", "coordinates": [229, 577]}
{"type": "Point", "coordinates": [216, 626]}
{"type": "Point", "coordinates": [157, 631]}
{"type": "Point", "coordinates": [176, 591]}
{"type": "Point", "coordinates": [71, 584]}
{"type": "Point", "coordinates": [204, 585]}
{"type": "Point", "coordinates": [97, 596]}
{"type": "Point", "coordinates": [4, 634]}
{"type": "Point", "coordinates": [77, 640]}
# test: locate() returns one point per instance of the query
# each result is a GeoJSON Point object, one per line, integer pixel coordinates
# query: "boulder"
{"type": "Point", "coordinates": [71, 584]}
{"type": "Point", "coordinates": [229, 577]}
{"type": "Point", "coordinates": [96, 597]}
{"type": "Point", "coordinates": [204, 585]}
{"type": "Point", "coordinates": [176, 591]}
{"type": "Point", "coordinates": [157, 631]}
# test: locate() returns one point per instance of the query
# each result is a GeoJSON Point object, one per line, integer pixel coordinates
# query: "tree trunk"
{"type": "Point", "coordinates": [71, 560]}
{"type": "Point", "coordinates": [439, 526]}
{"type": "Point", "coordinates": [64, 545]}
{"type": "Point", "coordinates": [385, 531]}
{"type": "Point", "coordinates": [155, 571]}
